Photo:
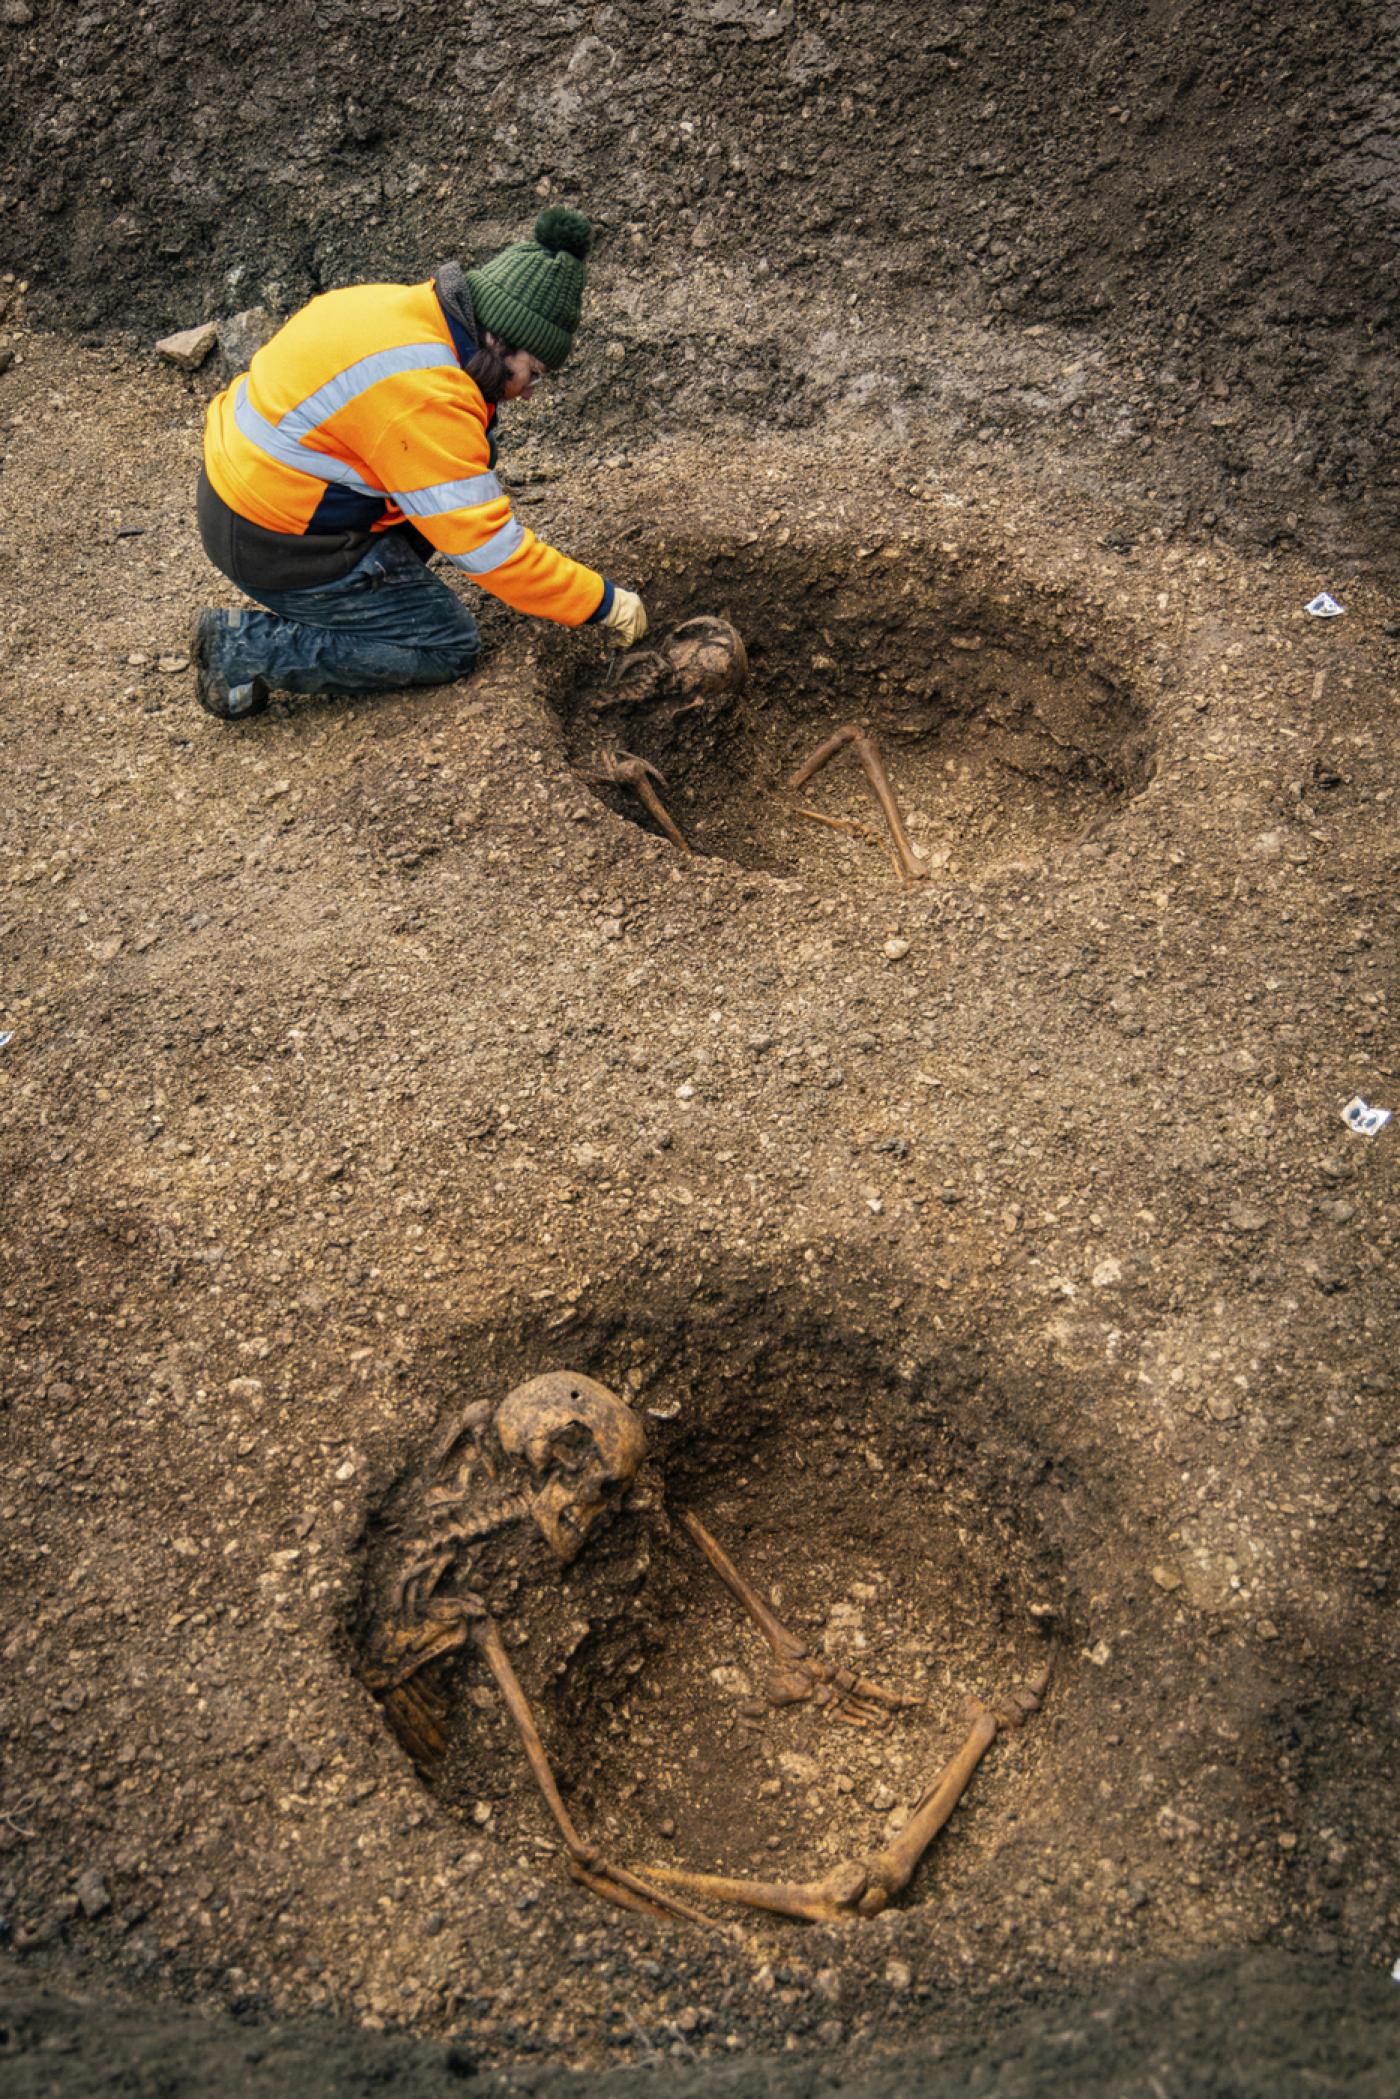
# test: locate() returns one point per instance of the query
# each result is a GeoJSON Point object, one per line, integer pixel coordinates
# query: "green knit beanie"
{"type": "Point", "coordinates": [529, 294]}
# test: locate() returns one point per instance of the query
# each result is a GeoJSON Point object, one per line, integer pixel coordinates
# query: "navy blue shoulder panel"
{"type": "Point", "coordinates": [345, 510]}
{"type": "Point", "coordinates": [466, 346]}
{"type": "Point", "coordinates": [463, 342]}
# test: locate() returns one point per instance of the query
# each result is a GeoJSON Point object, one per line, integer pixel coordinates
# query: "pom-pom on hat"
{"type": "Point", "coordinates": [529, 295]}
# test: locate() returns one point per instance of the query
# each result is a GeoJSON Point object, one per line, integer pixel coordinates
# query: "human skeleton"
{"type": "Point", "coordinates": [555, 1458]}
{"type": "Point", "coordinates": [673, 698]}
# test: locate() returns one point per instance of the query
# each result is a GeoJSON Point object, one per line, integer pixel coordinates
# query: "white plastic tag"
{"type": "Point", "coordinates": [1325, 606]}
{"type": "Point", "coordinates": [1365, 1121]}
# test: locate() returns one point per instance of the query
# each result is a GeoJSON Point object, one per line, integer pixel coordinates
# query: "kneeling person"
{"type": "Point", "coordinates": [358, 444]}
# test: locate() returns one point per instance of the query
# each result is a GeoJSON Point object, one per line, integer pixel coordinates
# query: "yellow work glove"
{"type": "Point", "coordinates": [626, 617]}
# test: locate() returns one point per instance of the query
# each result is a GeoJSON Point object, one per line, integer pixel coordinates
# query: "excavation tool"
{"type": "Point", "coordinates": [867, 750]}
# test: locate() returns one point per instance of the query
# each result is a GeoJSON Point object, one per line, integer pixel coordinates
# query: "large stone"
{"type": "Point", "coordinates": [189, 347]}
{"type": "Point", "coordinates": [242, 334]}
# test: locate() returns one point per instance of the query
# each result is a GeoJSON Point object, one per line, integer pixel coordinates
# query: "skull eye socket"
{"type": "Point", "coordinates": [573, 1447]}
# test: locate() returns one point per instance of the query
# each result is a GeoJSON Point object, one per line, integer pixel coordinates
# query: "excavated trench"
{"type": "Point", "coordinates": [864, 1502]}
{"type": "Point", "coordinates": [1006, 726]}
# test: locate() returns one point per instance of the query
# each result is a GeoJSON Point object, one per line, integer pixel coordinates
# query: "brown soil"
{"type": "Point", "coordinates": [989, 1257]}
{"type": "Point", "coordinates": [1231, 2026]}
{"type": "Point", "coordinates": [1005, 730]}
{"type": "Point", "coordinates": [1210, 191]}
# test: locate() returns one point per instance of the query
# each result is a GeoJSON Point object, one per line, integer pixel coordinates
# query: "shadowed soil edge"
{"type": "Point", "coordinates": [1233, 2026]}
{"type": "Point", "coordinates": [1212, 189]}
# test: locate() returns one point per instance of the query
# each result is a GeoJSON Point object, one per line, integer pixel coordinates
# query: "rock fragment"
{"type": "Point", "coordinates": [188, 347]}
{"type": "Point", "coordinates": [93, 1898]}
{"type": "Point", "coordinates": [242, 335]}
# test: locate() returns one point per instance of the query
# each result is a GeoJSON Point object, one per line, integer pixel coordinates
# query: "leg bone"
{"type": "Point", "coordinates": [893, 1868]}
{"type": "Point", "coordinates": [614, 1883]}
{"type": "Point", "coordinates": [837, 1895]}
{"type": "Point", "coordinates": [621, 769]}
{"type": "Point", "coordinates": [825, 752]}
{"type": "Point", "coordinates": [868, 752]}
{"type": "Point", "coordinates": [864, 1888]}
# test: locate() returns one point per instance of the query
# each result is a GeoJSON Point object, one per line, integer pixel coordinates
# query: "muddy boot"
{"type": "Point", "coordinates": [227, 703]}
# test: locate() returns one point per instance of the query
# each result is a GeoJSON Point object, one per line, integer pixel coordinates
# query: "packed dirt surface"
{"type": "Point", "coordinates": [1237, 2026]}
{"type": "Point", "coordinates": [986, 1257]}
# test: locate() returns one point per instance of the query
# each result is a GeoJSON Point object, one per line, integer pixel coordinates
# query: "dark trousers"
{"type": "Point", "coordinates": [388, 623]}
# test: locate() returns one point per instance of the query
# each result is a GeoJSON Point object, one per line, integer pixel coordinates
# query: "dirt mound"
{"type": "Point", "coordinates": [1216, 184]}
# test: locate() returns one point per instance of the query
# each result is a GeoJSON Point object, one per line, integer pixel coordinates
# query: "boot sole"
{"type": "Point", "coordinates": [212, 693]}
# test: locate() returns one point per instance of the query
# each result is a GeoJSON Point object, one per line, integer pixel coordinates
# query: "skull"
{"type": "Point", "coordinates": [583, 1446]}
{"type": "Point", "coordinates": [707, 655]}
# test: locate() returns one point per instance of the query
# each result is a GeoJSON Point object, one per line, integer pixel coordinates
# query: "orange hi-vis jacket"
{"type": "Point", "coordinates": [358, 416]}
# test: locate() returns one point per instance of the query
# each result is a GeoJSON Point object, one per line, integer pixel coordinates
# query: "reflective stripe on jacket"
{"type": "Point", "coordinates": [358, 415]}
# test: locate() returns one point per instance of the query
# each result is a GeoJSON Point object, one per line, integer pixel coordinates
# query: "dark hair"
{"type": "Point", "coordinates": [489, 369]}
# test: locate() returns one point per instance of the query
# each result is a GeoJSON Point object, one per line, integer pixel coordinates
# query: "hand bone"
{"type": "Point", "coordinates": [621, 769]}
